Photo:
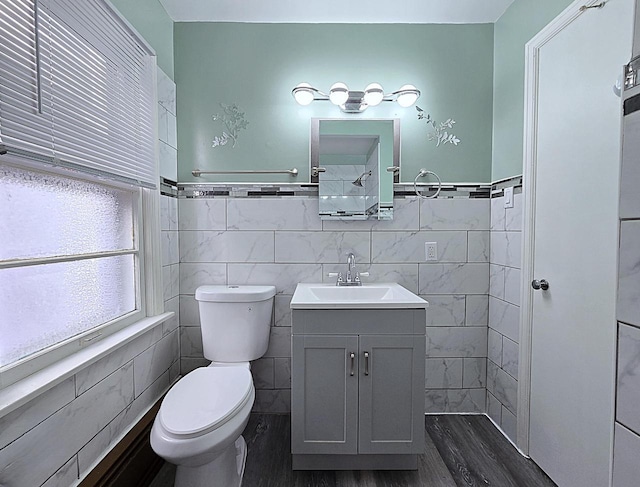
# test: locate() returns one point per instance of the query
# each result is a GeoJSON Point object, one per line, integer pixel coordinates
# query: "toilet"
{"type": "Point", "coordinates": [201, 419]}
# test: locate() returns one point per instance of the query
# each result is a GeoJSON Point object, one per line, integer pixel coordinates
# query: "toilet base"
{"type": "Point", "coordinates": [226, 470]}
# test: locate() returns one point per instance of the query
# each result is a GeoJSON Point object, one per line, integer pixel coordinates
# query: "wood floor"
{"type": "Point", "coordinates": [460, 451]}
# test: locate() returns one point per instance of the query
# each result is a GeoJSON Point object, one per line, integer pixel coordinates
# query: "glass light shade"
{"type": "Point", "coordinates": [339, 94]}
{"type": "Point", "coordinates": [373, 94]}
{"type": "Point", "coordinates": [303, 94]}
{"type": "Point", "coordinates": [407, 95]}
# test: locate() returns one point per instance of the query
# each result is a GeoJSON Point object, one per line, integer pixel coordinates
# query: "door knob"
{"type": "Point", "coordinates": [541, 284]}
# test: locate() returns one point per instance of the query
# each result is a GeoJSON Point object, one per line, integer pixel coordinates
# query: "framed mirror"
{"type": "Point", "coordinates": [355, 163]}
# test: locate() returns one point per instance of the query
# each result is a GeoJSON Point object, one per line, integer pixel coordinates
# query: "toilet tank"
{"type": "Point", "coordinates": [235, 321]}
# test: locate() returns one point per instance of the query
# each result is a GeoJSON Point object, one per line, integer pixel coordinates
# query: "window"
{"type": "Point", "coordinates": [77, 159]}
{"type": "Point", "coordinates": [69, 260]}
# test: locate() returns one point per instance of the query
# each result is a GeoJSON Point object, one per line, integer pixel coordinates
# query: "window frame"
{"type": "Point", "coordinates": [48, 356]}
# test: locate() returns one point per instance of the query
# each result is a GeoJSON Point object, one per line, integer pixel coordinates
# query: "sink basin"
{"type": "Point", "coordinates": [360, 293]}
{"type": "Point", "coordinates": [330, 296]}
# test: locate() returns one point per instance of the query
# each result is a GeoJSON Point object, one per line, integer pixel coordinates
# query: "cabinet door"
{"type": "Point", "coordinates": [391, 394]}
{"type": "Point", "coordinates": [324, 394]}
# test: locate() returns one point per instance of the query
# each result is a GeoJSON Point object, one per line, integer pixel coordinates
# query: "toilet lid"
{"type": "Point", "coordinates": [234, 294]}
{"type": "Point", "coordinates": [205, 399]}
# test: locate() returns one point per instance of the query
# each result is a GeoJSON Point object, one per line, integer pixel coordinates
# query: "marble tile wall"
{"type": "Point", "coordinates": [168, 197]}
{"type": "Point", "coordinates": [282, 241]}
{"type": "Point", "coordinates": [170, 258]}
{"type": "Point", "coordinates": [167, 131]}
{"type": "Point", "coordinates": [626, 449]}
{"type": "Point", "coordinates": [59, 437]}
{"type": "Point", "coordinates": [504, 311]}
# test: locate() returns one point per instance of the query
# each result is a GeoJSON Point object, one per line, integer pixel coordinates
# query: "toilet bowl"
{"type": "Point", "coordinates": [199, 425]}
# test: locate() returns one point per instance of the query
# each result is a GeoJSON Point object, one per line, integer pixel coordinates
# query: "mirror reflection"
{"type": "Point", "coordinates": [353, 157]}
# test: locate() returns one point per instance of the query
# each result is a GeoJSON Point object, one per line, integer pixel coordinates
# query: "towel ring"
{"type": "Point", "coordinates": [422, 173]}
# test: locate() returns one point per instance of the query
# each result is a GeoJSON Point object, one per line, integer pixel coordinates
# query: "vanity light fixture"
{"type": "Point", "coordinates": [355, 101]}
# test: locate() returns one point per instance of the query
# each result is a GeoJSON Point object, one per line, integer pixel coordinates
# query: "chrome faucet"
{"type": "Point", "coordinates": [351, 265]}
{"type": "Point", "coordinates": [353, 276]}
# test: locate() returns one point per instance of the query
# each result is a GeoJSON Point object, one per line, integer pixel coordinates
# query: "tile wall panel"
{"type": "Point", "coordinates": [626, 450]}
{"type": "Point", "coordinates": [494, 408]}
{"type": "Point", "coordinates": [292, 213]}
{"type": "Point", "coordinates": [626, 468]}
{"type": "Point", "coordinates": [168, 144]}
{"type": "Point", "coordinates": [65, 476]}
{"type": "Point", "coordinates": [628, 308]}
{"type": "Point", "coordinates": [504, 311]}
{"type": "Point", "coordinates": [628, 382]}
{"type": "Point", "coordinates": [454, 401]}
{"type": "Point", "coordinates": [289, 244]}
{"type": "Point", "coordinates": [16, 423]}
{"type": "Point", "coordinates": [629, 177]}
{"type": "Point", "coordinates": [35, 456]}
{"type": "Point", "coordinates": [454, 214]}
{"type": "Point", "coordinates": [476, 310]}
{"type": "Point", "coordinates": [203, 214]}
{"type": "Point", "coordinates": [503, 386]}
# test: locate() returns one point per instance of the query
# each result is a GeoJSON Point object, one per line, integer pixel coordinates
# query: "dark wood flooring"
{"type": "Point", "coordinates": [463, 451]}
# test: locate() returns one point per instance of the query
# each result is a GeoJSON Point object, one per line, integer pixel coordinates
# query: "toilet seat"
{"type": "Point", "coordinates": [204, 400]}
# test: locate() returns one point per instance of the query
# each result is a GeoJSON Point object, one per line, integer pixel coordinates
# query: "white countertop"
{"type": "Point", "coordinates": [388, 295]}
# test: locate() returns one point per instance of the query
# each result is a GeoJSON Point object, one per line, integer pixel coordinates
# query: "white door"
{"type": "Point", "coordinates": [573, 235]}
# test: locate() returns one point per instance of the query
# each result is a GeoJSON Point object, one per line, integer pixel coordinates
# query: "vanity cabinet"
{"type": "Point", "coordinates": [357, 388]}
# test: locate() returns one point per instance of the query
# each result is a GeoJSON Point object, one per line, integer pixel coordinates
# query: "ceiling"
{"type": "Point", "coordinates": [338, 11]}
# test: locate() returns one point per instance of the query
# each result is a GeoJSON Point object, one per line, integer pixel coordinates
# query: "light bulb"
{"type": "Point", "coordinates": [407, 95]}
{"type": "Point", "coordinates": [339, 94]}
{"type": "Point", "coordinates": [373, 94]}
{"type": "Point", "coordinates": [303, 93]}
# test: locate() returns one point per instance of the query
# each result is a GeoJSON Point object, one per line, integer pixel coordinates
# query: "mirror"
{"type": "Point", "coordinates": [356, 161]}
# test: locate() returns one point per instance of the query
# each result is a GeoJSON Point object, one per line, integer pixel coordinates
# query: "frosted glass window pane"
{"type": "Point", "coordinates": [42, 305]}
{"type": "Point", "coordinates": [45, 215]}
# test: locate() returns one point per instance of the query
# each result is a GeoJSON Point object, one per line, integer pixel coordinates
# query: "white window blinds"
{"type": "Point", "coordinates": [25, 121]}
{"type": "Point", "coordinates": [91, 78]}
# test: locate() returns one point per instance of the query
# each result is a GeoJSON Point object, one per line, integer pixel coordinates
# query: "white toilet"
{"type": "Point", "coordinates": [199, 424]}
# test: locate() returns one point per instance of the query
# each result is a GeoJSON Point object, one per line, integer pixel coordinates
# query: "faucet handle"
{"type": "Point", "coordinates": [357, 278]}
{"type": "Point", "coordinates": [336, 274]}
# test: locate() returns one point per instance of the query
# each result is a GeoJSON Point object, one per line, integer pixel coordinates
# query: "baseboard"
{"type": "Point", "coordinates": [131, 461]}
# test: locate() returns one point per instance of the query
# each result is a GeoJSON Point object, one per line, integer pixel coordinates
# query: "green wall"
{"type": "Point", "coordinates": [257, 65]}
{"type": "Point", "coordinates": [151, 21]}
{"type": "Point", "coordinates": [522, 20]}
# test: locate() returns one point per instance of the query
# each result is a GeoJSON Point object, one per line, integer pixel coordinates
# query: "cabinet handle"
{"type": "Point", "coordinates": [353, 360]}
{"type": "Point", "coordinates": [366, 363]}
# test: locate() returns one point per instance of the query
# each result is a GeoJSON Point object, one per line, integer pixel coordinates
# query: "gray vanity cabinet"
{"type": "Point", "coordinates": [324, 405]}
{"type": "Point", "coordinates": [357, 398]}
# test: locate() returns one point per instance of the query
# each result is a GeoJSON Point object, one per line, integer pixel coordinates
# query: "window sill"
{"type": "Point", "coordinates": [21, 392]}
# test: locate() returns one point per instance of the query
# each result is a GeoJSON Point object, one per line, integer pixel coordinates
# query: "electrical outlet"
{"type": "Point", "coordinates": [431, 251]}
